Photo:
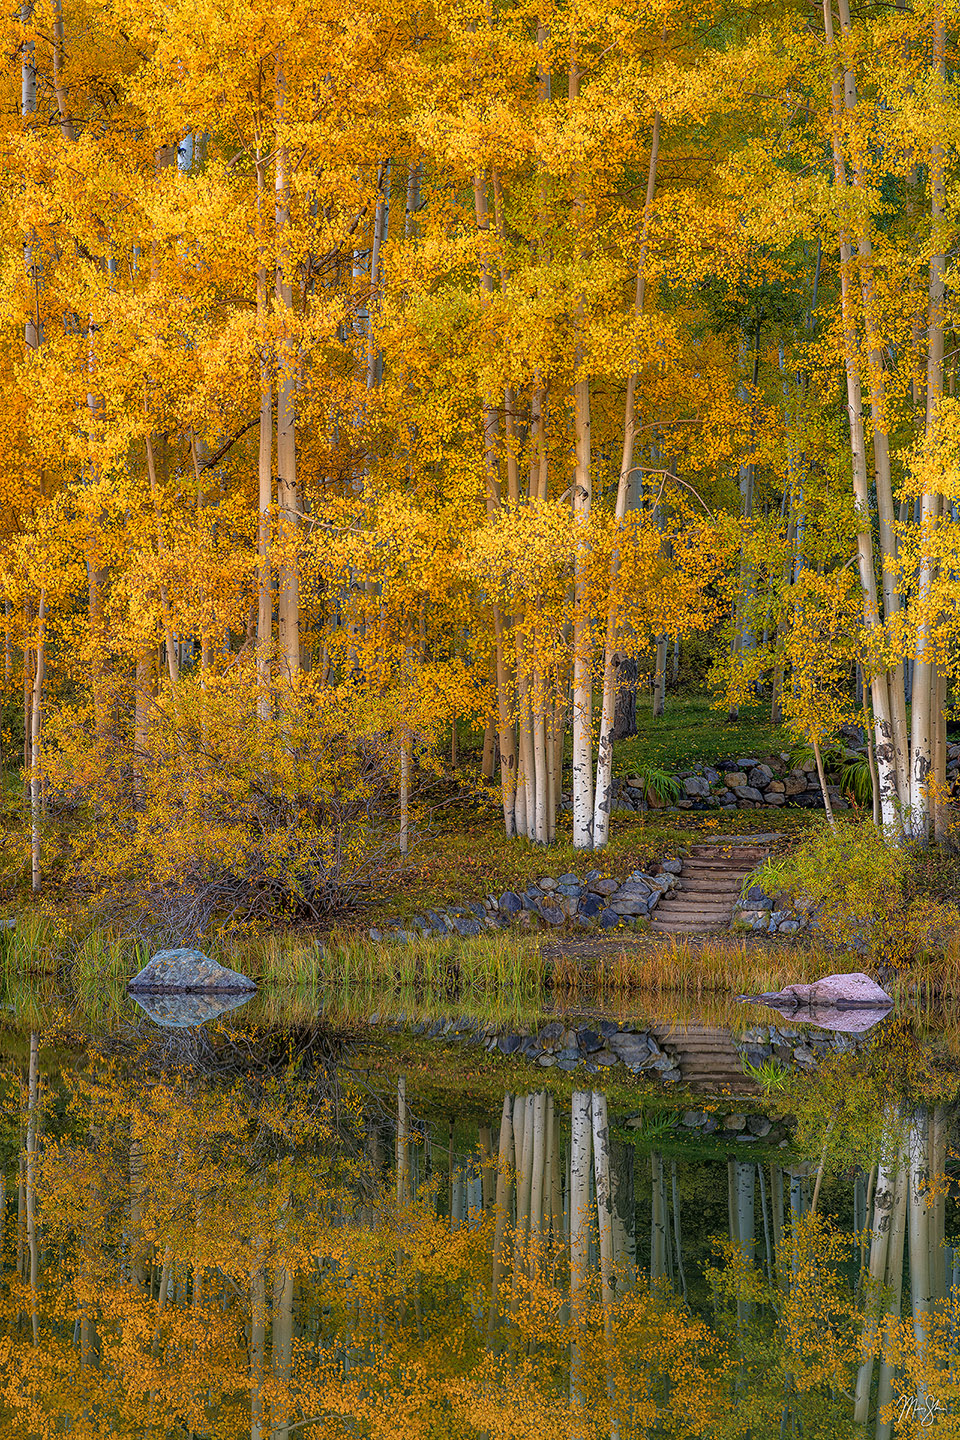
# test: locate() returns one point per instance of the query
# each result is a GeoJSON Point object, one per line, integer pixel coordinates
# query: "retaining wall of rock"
{"type": "Point", "coordinates": [597, 901]}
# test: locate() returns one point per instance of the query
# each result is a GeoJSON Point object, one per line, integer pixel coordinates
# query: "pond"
{"type": "Point", "coordinates": [319, 1218]}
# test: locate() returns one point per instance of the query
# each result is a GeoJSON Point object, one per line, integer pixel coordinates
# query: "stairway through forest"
{"type": "Point", "coordinates": [711, 881]}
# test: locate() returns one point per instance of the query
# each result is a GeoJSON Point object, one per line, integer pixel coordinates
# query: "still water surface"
{"type": "Point", "coordinates": [289, 1222]}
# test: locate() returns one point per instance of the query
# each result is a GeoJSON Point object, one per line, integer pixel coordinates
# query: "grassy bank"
{"type": "Point", "coordinates": [475, 972]}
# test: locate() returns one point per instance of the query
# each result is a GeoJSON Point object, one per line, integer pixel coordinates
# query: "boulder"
{"type": "Point", "coordinates": [510, 902]}
{"type": "Point", "coordinates": [733, 778]}
{"type": "Point", "coordinates": [632, 1049]}
{"type": "Point", "coordinates": [838, 992]}
{"type": "Point", "coordinates": [183, 971]}
{"type": "Point", "coordinates": [747, 792]}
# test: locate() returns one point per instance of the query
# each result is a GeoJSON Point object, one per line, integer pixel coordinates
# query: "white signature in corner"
{"type": "Point", "coordinates": [923, 1409]}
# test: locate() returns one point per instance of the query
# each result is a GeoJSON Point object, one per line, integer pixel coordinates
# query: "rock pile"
{"type": "Point", "coordinates": [772, 913]}
{"type": "Point", "coordinates": [599, 900]}
{"type": "Point", "coordinates": [744, 783]}
{"type": "Point", "coordinates": [792, 1048]}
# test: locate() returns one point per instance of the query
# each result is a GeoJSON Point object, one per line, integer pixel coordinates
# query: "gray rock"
{"type": "Point", "coordinates": [692, 1118]}
{"type": "Point", "coordinates": [633, 1050]}
{"type": "Point", "coordinates": [855, 991]}
{"type": "Point", "coordinates": [609, 919]}
{"type": "Point", "coordinates": [604, 1057]}
{"type": "Point", "coordinates": [710, 1124]}
{"type": "Point", "coordinates": [670, 1077]}
{"type": "Point", "coordinates": [552, 914]}
{"type": "Point", "coordinates": [547, 884]}
{"type": "Point", "coordinates": [546, 1060]}
{"type": "Point", "coordinates": [789, 927]}
{"type": "Point", "coordinates": [748, 792]}
{"type": "Point", "coordinates": [734, 778]}
{"type": "Point", "coordinates": [758, 898]}
{"type": "Point", "coordinates": [696, 785]}
{"type": "Point", "coordinates": [569, 880]}
{"type": "Point", "coordinates": [773, 798]}
{"type": "Point", "coordinates": [510, 902]}
{"type": "Point", "coordinates": [760, 776]}
{"type": "Point", "coordinates": [758, 1125]}
{"type": "Point", "coordinates": [564, 1062]}
{"type": "Point", "coordinates": [589, 1040]}
{"type": "Point", "coordinates": [180, 971]}
{"type": "Point", "coordinates": [466, 925]}
{"type": "Point", "coordinates": [376, 936]}
{"type": "Point", "coordinates": [673, 867]}
{"type": "Point", "coordinates": [509, 1044]}
{"type": "Point", "coordinates": [638, 905]}
{"type": "Point", "coordinates": [591, 905]}
{"type": "Point", "coordinates": [735, 1122]}
{"type": "Point", "coordinates": [608, 885]}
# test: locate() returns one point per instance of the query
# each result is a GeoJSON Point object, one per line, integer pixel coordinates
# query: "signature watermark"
{"type": "Point", "coordinates": [923, 1408]}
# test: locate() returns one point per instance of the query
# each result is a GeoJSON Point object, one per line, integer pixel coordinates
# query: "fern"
{"type": "Point", "coordinates": [857, 781]}
{"type": "Point", "coordinates": [659, 785]}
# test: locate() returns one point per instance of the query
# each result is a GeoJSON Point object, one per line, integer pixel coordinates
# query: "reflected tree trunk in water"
{"type": "Point", "coordinates": [580, 1225]}
{"type": "Point", "coordinates": [893, 1288]}
{"type": "Point", "coordinates": [403, 1146]}
{"type": "Point", "coordinates": [889, 1176]}
{"type": "Point", "coordinates": [30, 1177]}
{"type": "Point", "coordinates": [659, 1242]}
{"type": "Point", "coordinates": [538, 1170]}
{"type": "Point", "coordinates": [919, 1232]}
{"type": "Point", "coordinates": [608, 1278]}
{"type": "Point", "coordinates": [678, 1253]}
{"type": "Point", "coordinates": [622, 1165]}
{"type": "Point", "coordinates": [282, 1348]}
{"type": "Point", "coordinates": [258, 1346]}
{"type": "Point", "coordinates": [502, 1215]}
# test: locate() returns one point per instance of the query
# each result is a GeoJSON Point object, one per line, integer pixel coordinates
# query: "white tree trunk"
{"type": "Point", "coordinates": [603, 793]}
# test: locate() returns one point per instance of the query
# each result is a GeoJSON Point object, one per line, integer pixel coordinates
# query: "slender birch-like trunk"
{"type": "Point", "coordinates": [891, 735]}
{"type": "Point", "coordinates": [604, 785]}
{"type": "Point", "coordinates": [264, 470]}
{"type": "Point", "coordinates": [582, 630]}
{"type": "Point", "coordinates": [287, 491]}
{"type": "Point", "coordinates": [879, 690]}
{"type": "Point", "coordinates": [922, 714]}
{"type": "Point", "coordinates": [36, 785]}
{"type": "Point", "coordinates": [508, 753]}
{"type": "Point", "coordinates": [169, 641]}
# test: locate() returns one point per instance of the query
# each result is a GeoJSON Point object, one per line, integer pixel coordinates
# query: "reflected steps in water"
{"type": "Point", "coordinates": [707, 1057]}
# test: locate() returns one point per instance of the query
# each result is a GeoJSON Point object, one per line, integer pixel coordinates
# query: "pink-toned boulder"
{"type": "Point", "coordinates": [838, 992]}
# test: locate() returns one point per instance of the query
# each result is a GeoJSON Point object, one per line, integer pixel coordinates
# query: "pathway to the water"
{"type": "Point", "coordinates": [712, 879]}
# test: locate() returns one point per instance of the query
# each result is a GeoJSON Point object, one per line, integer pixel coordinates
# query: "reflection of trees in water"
{"type": "Point", "coordinates": [237, 1251]}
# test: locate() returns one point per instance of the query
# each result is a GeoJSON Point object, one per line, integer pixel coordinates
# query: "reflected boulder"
{"type": "Point", "coordinates": [183, 971]}
{"type": "Point", "coordinates": [182, 1010]}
